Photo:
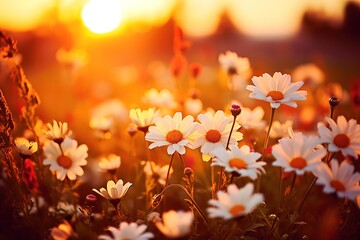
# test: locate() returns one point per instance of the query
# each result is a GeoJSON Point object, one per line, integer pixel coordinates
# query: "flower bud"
{"type": "Point", "coordinates": [235, 109]}
{"type": "Point", "coordinates": [333, 101]}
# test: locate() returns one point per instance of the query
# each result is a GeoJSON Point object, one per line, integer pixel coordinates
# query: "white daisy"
{"type": "Point", "coordinates": [114, 191]}
{"type": "Point", "coordinates": [129, 231]}
{"type": "Point", "coordinates": [57, 131]}
{"type": "Point", "coordinates": [110, 163]}
{"type": "Point", "coordinates": [341, 136]}
{"type": "Point", "coordinates": [237, 68]}
{"type": "Point", "coordinates": [163, 99]}
{"type": "Point", "coordinates": [66, 159]}
{"type": "Point", "coordinates": [236, 202]}
{"type": "Point", "coordinates": [340, 179]}
{"type": "Point", "coordinates": [159, 172]}
{"type": "Point", "coordinates": [299, 154]}
{"type": "Point", "coordinates": [309, 74]}
{"type": "Point", "coordinates": [175, 224]}
{"type": "Point", "coordinates": [239, 160]}
{"type": "Point", "coordinates": [234, 65]}
{"type": "Point", "coordinates": [26, 147]}
{"type": "Point", "coordinates": [172, 132]}
{"type": "Point", "coordinates": [280, 130]}
{"type": "Point", "coordinates": [144, 118]}
{"type": "Point", "coordinates": [276, 90]}
{"type": "Point", "coordinates": [251, 118]}
{"type": "Point", "coordinates": [214, 131]}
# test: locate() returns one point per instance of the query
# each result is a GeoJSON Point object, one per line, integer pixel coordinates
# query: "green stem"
{"type": "Point", "coordinates": [265, 146]}
{"type": "Point", "coordinates": [306, 194]}
{"type": "Point", "coordinates": [168, 172]}
{"type": "Point", "coordinates": [227, 148]}
{"type": "Point", "coordinates": [188, 194]}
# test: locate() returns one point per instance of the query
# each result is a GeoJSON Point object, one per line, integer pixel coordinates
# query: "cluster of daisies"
{"type": "Point", "coordinates": [216, 134]}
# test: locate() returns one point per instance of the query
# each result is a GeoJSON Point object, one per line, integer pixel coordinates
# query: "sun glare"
{"type": "Point", "coordinates": [102, 16]}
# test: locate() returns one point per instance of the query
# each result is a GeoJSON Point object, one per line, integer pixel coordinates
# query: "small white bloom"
{"type": "Point", "coordinates": [299, 154]}
{"type": "Point", "coordinates": [214, 131]}
{"type": "Point", "coordinates": [66, 159]}
{"type": "Point", "coordinates": [163, 99]}
{"type": "Point", "coordinates": [309, 74]}
{"type": "Point", "coordinates": [57, 131]}
{"type": "Point", "coordinates": [26, 147]}
{"type": "Point", "coordinates": [172, 132]}
{"type": "Point", "coordinates": [280, 130]}
{"type": "Point", "coordinates": [236, 202]}
{"type": "Point", "coordinates": [144, 118]}
{"type": "Point", "coordinates": [114, 191]}
{"type": "Point", "coordinates": [276, 90]}
{"type": "Point", "coordinates": [109, 163]}
{"type": "Point", "coordinates": [237, 68]}
{"type": "Point", "coordinates": [131, 231]}
{"type": "Point", "coordinates": [341, 136]}
{"type": "Point", "coordinates": [175, 224]}
{"type": "Point", "coordinates": [160, 172]}
{"type": "Point", "coordinates": [339, 178]}
{"type": "Point", "coordinates": [239, 160]}
{"type": "Point", "coordinates": [251, 118]}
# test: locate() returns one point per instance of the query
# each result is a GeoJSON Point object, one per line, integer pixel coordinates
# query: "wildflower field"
{"type": "Point", "coordinates": [252, 155]}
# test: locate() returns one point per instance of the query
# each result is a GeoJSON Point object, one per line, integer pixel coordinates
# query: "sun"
{"type": "Point", "coordinates": [102, 16]}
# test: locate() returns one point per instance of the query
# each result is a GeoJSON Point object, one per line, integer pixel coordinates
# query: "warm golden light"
{"type": "Point", "coordinates": [102, 16]}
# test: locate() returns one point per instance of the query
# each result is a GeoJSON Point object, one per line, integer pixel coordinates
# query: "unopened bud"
{"type": "Point", "coordinates": [333, 101]}
{"type": "Point", "coordinates": [188, 171]}
{"type": "Point", "coordinates": [235, 109]}
{"type": "Point", "coordinates": [91, 199]}
{"type": "Point", "coordinates": [132, 129]}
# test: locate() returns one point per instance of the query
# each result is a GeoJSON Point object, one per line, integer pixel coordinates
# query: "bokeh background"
{"type": "Point", "coordinates": [78, 54]}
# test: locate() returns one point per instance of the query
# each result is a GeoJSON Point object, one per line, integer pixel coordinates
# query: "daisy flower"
{"type": "Point", "coordinates": [62, 232]}
{"type": "Point", "coordinates": [159, 172]}
{"type": "Point", "coordinates": [299, 154]}
{"type": "Point", "coordinates": [237, 68]}
{"type": "Point", "coordinates": [26, 147]}
{"type": "Point", "coordinates": [57, 131]}
{"type": "Point", "coordinates": [341, 136]}
{"type": "Point", "coordinates": [309, 74]}
{"type": "Point", "coordinates": [214, 131]}
{"type": "Point", "coordinates": [163, 99]}
{"type": "Point", "coordinates": [251, 118]}
{"type": "Point", "coordinates": [280, 130]}
{"type": "Point", "coordinates": [110, 163]}
{"type": "Point", "coordinates": [131, 231]}
{"type": "Point", "coordinates": [234, 65]}
{"type": "Point", "coordinates": [236, 202]}
{"type": "Point", "coordinates": [175, 224]}
{"type": "Point", "coordinates": [114, 190]}
{"type": "Point", "coordinates": [66, 159]}
{"type": "Point", "coordinates": [239, 160]}
{"type": "Point", "coordinates": [172, 132]}
{"type": "Point", "coordinates": [339, 179]}
{"type": "Point", "coordinates": [276, 90]}
{"type": "Point", "coordinates": [144, 118]}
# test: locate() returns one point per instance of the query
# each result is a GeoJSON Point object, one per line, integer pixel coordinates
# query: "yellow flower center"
{"type": "Point", "coordinates": [298, 163]}
{"type": "Point", "coordinates": [174, 136]}
{"type": "Point", "coordinates": [213, 136]}
{"type": "Point", "coordinates": [275, 95]}
{"type": "Point", "coordinates": [237, 163]}
{"type": "Point", "coordinates": [337, 185]}
{"type": "Point", "coordinates": [341, 140]}
{"type": "Point", "coordinates": [64, 161]}
{"type": "Point", "coordinates": [237, 210]}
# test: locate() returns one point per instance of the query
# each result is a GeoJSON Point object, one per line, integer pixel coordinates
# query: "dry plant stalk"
{"type": "Point", "coordinates": [6, 140]}
{"type": "Point", "coordinates": [31, 99]}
